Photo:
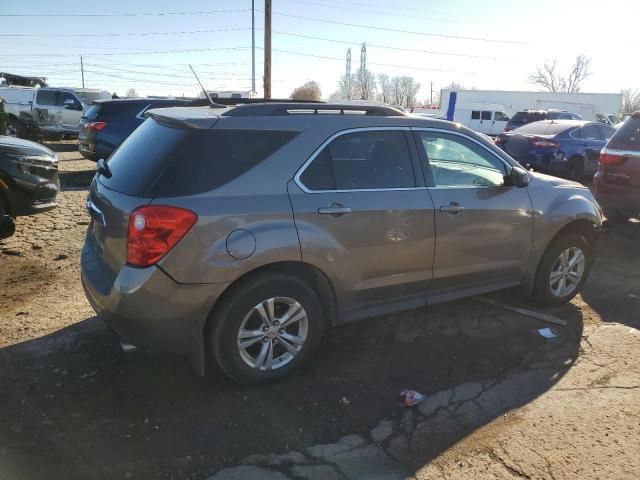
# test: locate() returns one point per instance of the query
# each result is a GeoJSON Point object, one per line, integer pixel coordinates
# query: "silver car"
{"type": "Point", "coordinates": [246, 232]}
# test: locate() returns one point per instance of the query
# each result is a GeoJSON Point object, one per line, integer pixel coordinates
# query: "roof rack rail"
{"type": "Point", "coordinates": [292, 108]}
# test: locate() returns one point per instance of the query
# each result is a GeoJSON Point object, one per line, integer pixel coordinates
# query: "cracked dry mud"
{"type": "Point", "coordinates": [501, 401]}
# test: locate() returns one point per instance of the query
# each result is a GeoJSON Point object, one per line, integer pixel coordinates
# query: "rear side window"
{"type": "Point", "coordinates": [362, 160]}
{"type": "Point", "coordinates": [475, 115]}
{"type": "Point", "coordinates": [628, 136]}
{"type": "Point", "coordinates": [209, 159]}
{"type": "Point", "coordinates": [139, 160]}
{"type": "Point", "coordinates": [46, 97]}
{"type": "Point", "coordinates": [588, 132]}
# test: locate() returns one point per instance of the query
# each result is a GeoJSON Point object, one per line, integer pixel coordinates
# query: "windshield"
{"type": "Point", "coordinates": [90, 97]}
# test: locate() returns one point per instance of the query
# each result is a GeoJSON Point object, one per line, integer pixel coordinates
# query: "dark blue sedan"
{"type": "Point", "coordinates": [106, 124]}
{"type": "Point", "coordinates": [566, 148]}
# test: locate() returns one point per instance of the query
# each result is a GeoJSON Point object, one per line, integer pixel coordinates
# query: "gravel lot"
{"type": "Point", "coordinates": [501, 401]}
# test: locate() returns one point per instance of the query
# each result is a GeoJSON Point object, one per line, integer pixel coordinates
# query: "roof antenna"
{"type": "Point", "coordinates": [213, 104]}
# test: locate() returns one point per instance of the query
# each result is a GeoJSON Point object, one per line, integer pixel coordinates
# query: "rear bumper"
{"type": "Point", "coordinates": [616, 197]}
{"type": "Point", "coordinates": [146, 308]}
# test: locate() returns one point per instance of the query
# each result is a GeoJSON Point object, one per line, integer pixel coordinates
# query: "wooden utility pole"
{"type": "Point", "coordinates": [431, 96]}
{"type": "Point", "coordinates": [82, 70]}
{"type": "Point", "coordinates": [253, 47]}
{"type": "Point", "coordinates": [267, 48]}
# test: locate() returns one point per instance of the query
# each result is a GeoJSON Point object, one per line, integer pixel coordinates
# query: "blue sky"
{"type": "Point", "coordinates": [504, 41]}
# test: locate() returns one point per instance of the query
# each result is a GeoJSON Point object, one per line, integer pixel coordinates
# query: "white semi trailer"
{"type": "Point", "coordinates": [588, 105]}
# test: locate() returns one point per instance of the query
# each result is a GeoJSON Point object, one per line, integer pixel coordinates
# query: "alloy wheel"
{"type": "Point", "coordinates": [567, 271]}
{"type": "Point", "coordinates": [273, 333]}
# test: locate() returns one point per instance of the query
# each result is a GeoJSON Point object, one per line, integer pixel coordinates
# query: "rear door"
{"type": "Point", "coordinates": [593, 141]}
{"type": "Point", "coordinates": [486, 122]}
{"type": "Point", "coordinates": [474, 123]}
{"type": "Point", "coordinates": [484, 227]}
{"type": "Point", "coordinates": [45, 110]}
{"type": "Point", "coordinates": [364, 217]}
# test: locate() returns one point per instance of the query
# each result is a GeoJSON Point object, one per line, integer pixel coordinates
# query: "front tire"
{"type": "Point", "coordinates": [266, 328]}
{"type": "Point", "coordinates": [563, 270]}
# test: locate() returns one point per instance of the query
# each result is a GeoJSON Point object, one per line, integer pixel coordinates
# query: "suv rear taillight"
{"type": "Point", "coordinates": [611, 157]}
{"type": "Point", "coordinates": [95, 126]}
{"type": "Point", "coordinates": [154, 230]}
{"type": "Point", "coordinates": [542, 143]}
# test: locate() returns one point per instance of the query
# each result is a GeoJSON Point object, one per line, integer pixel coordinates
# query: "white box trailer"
{"type": "Point", "coordinates": [587, 105]}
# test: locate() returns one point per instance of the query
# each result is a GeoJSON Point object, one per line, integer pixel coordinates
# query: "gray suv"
{"type": "Point", "coordinates": [245, 232]}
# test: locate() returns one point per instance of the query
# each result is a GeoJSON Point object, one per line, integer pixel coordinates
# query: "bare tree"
{"type": "Point", "coordinates": [579, 72]}
{"type": "Point", "coordinates": [384, 83]}
{"type": "Point", "coordinates": [455, 86]}
{"type": "Point", "coordinates": [131, 93]}
{"type": "Point", "coordinates": [548, 78]}
{"type": "Point", "coordinates": [308, 91]}
{"type": "Point", "coordinates": [630, 100]}
{"type": "Point", "coordinates": [410, 89]}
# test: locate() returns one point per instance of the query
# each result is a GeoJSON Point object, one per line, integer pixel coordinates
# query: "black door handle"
{"type": "Point", "coordinates": [334, 210]}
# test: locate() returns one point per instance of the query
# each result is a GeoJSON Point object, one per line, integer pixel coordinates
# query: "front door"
{"type": "Point", "coordinates": [365, 219]}
{"type": "Point", "coordinates": [69, 117]}
{"type": "Point", "coordinates": [484, 227]}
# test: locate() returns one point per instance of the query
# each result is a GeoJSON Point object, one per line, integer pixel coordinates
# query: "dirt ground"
{"type": "Point", "coordinates": [501, 401]}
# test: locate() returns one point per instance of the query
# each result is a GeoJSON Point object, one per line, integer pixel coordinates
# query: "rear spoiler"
{"type": "Point", "coordinates": [175, 121]}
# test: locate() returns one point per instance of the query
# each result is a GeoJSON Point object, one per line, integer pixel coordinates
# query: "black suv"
{"type": "Point", "coordinates": [106, 124]}
{"type": "Point", "coordinates": [527, 116]}
{"type": "Point", "coordinates": [28, 181]}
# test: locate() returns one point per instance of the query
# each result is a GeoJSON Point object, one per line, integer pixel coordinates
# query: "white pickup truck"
{"type": "Point", "coordinates": [48, 112]}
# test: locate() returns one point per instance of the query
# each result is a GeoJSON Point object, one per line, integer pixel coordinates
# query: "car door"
{"type": "Point", "coordinates": [486, 122]}
{"type": "Point", "coordinates": [484, 226]}
{"type": "Point", "coordinates": [592, 141]}
{"type": "Point", "coordinates": [500, 120]}
{"type": "Point", "coordinates": [45, 110]}
{"type": "Point", "coordinates": [365, 218]}
{"type": "Point", "coordinates": [69, 114]}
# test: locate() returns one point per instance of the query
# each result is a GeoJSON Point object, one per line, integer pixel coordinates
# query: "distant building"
{"type": "Point", "coordinates": [229, 94]}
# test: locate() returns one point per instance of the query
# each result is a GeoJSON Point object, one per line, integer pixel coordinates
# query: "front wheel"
{"type": "Point", "coordinates": [563, 270]}
{"type": "Point", "coordinates": [266, 328]}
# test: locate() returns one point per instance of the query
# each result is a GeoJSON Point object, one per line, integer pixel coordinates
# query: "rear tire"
{"type": "Point", "coordinates": [558, 281]}
{"type": "Point", "coordinates": [15, 128]}
{"type": "Point", "coordinates": [249, 333]}
{"type": "Point", "coordinates": [575, 169]}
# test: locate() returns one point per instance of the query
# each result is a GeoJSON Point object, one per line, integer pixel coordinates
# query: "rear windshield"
{"type": "Point", "coordinates": [542, 128]}
{"type": "Point", "coordinates": [528, 117]}
{"type": "Point", "coordinates": [628, 135]}
{"type": "Point", "coordinates": [117, 110]}
{"type": "Point", "coordinates": [157, 160]}
{"type": "Point", "coordinates": [90, 97]}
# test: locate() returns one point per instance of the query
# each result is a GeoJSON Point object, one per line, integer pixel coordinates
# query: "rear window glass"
{"type": "Point", "coordinates": [542, 128]}
{"type": "Point", "coordinates": [92, 112]}
{"type": "Point", "coordinates": [212, 158]}
{"type": "Point", "coordinates": [121, 110]}
{"type": "Point", "coordinates": [528, 117]}
{"type": "Point", "coordinates": [157, 160]}
{"type": "Point", "coordinates": [628, 136]}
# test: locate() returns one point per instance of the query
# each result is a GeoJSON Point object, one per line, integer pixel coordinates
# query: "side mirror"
{"type": "Point", "coordinates": [70, 104]}
{"type": "Point", "coordinates": [519, 177]}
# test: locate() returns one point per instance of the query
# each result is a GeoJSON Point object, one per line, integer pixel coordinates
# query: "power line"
{"type": "Point", "coordinates": [123, 53]}
{"type": "Point", "coordinates": [387, 29]}
{"type": "Point", "coordinates": [149, 14]}
{"type": "Point", "coordinates": [117, 34]}
{"type": "Point", "coordinates": [394, 8]}
{"type": "Point", "coordinates": [342, 7]}
{"type": "Point", "coordinates": [409, 67]}
{"type": "Point", "coordinates": [386, 47]}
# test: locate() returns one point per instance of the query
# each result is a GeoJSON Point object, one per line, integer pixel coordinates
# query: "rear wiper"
{"type": "Point", "coordinates": [103, 168]}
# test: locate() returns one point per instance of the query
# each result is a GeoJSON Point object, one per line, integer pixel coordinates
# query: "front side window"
{"type": "Point", "coordinates": [362, 160]}
{"type": "Point", "coordinates": [63, 96]}
{"type": "Point", "coordinates": [486, 115]}
{"type": "Point", "coordinates": [501, 117]}
{"type": "Point", "coordinates": [457, 162]}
